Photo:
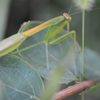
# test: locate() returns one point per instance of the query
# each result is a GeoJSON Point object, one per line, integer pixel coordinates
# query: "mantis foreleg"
{"type": "Point", "coordinates": [61, 38]}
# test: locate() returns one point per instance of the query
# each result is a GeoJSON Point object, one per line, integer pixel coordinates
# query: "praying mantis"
{"type": "Point", "coordinates": [11, 43]}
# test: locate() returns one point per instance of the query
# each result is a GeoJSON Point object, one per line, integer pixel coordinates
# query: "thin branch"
{"type": "Point", "coordinates": [74, 89]}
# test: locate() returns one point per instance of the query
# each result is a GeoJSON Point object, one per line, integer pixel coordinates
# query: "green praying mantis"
{"type": "Point", "coordinates": [11, 43]}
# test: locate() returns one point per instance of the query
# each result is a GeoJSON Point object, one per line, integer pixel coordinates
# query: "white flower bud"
{"type": "Point", "coordinates": [84, 4]}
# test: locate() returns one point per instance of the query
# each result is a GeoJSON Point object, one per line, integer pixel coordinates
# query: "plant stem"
{"type": "Point", "coordinates": [83, 24]}
{"type": "Point", "coordinates": [82, 97]}
{"type": "Point", "coordinates": [74, 89]}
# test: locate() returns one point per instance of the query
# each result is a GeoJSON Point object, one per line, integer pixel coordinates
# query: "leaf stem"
{"type": "Point", "coordinates": [83, 24]}
{"type": "Point", "coordinates": [82, 97]}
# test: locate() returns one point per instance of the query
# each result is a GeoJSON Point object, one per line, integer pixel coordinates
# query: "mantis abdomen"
{"type": "Point", "coordinates": [11, 43]}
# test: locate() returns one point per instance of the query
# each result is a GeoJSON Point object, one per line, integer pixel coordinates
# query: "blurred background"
{"type": "Point", "coordinates": [14, 12]}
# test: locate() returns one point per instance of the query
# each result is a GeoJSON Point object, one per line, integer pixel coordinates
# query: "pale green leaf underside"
{"type": "Point", "coordinates": [3, 92]}
{"type": "Point", "coordinates": [36, 56]}
{"type": "Point", "coordinates": [21, 81]}
{"type": "Point", "coordinates": [92, 69]}
{"type": "Point", "coordinates": [92, 64]}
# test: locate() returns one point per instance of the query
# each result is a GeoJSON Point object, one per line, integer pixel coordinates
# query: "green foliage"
{"type": "Point", "coordinates": [20, 79]}
{"type": "Point", "coordinates": [3, 93]}
{"type": "Point", "coordinates": [20, 74]}
{"type": "Point", "coordinates": [92, 64]}
{"type": "Point", "coordinates": [52, 86]}
{"type": "Point", "coordinates": [36, 56]}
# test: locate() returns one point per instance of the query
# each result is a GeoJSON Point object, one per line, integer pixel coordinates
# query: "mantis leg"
{"type": "Point", "coordinates": [49, 35]}
{"type": "Point", "coordinates": [58, 30]}
{"type": "Point", "coordinates": [27, 48]}
{"type": "Point", "coordinates": [61, 38]}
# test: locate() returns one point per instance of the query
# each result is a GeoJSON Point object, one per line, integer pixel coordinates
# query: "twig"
{"type": "Point", "coordinates": [73, 89]}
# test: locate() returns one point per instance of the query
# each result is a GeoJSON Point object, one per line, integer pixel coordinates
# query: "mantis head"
{"type": "Point", "coordinates": [67, 17]}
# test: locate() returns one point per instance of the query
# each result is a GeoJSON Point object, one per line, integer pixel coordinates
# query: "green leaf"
{"type": "Point", "coordinates": [36, 56]}
{"type": "Point", "coordinates": [3, 93]}
{"type": "Point", "coordinates": [92, 64]}
{"type": "Point", "coordinates": [22, 82]}
{"type": "Point", "coordinates": [52, 86]}
{"type": "Point", "coordinates": [92, 67]}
